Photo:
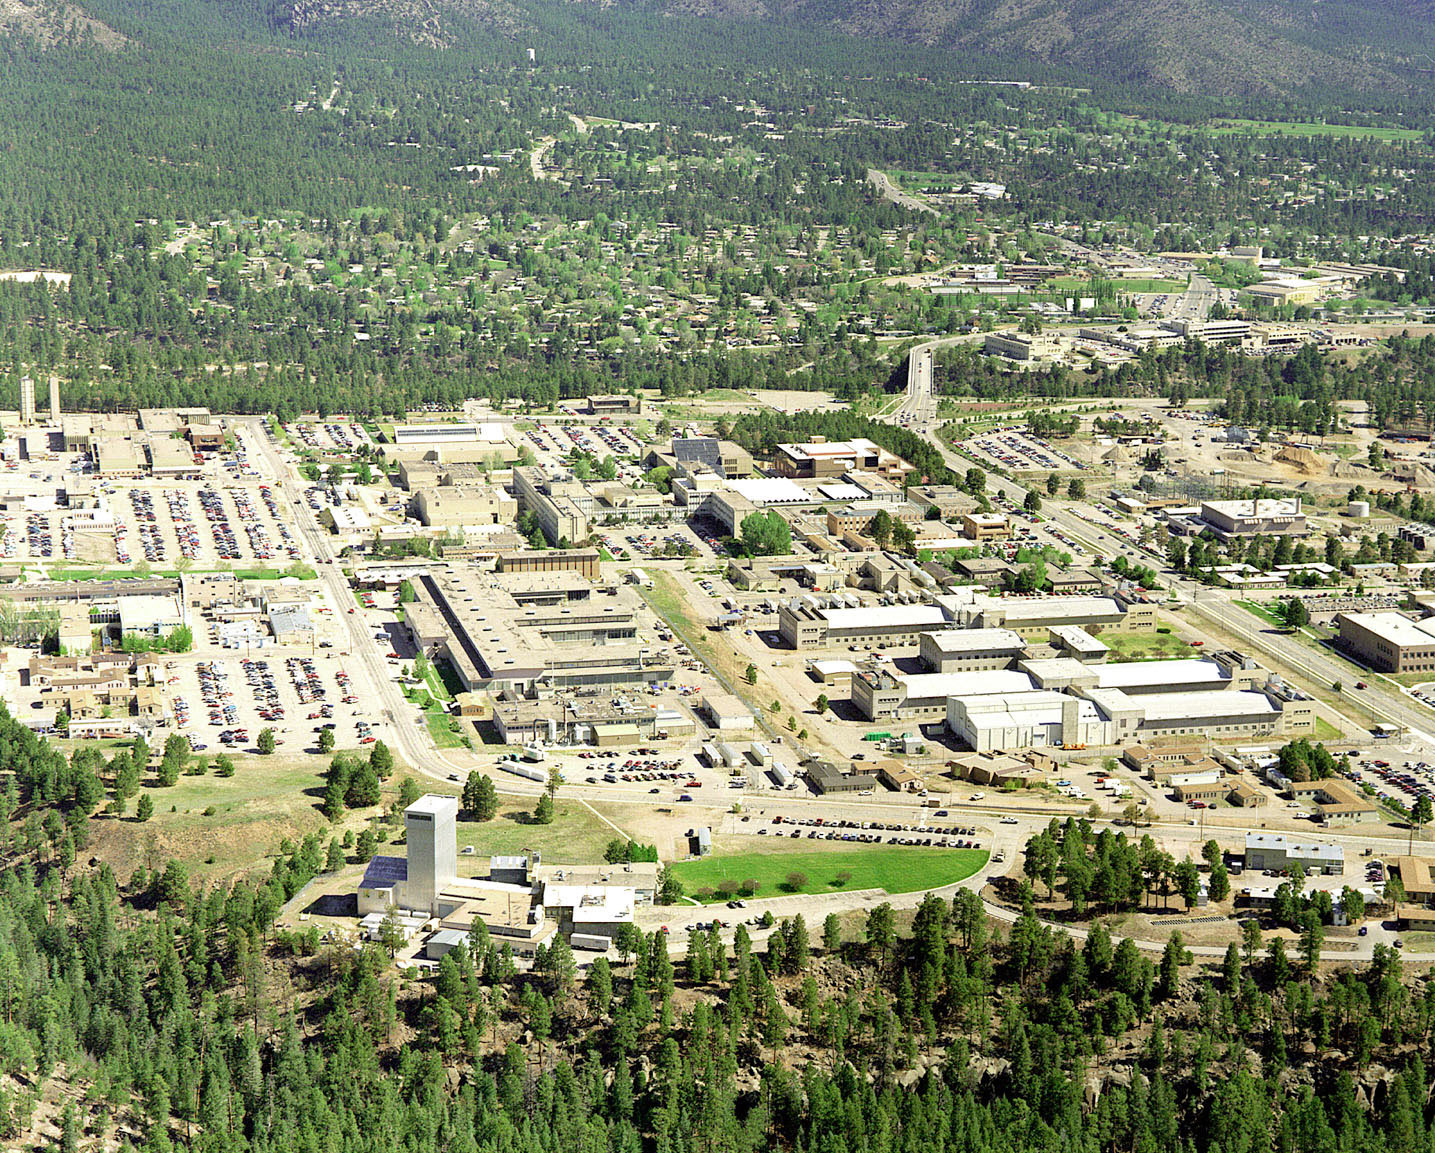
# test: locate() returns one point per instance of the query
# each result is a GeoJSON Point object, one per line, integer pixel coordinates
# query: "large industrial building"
{"type": "Point", "coordinates": [969, 650]}
{"type": "Point", "coordinates": [1389, 642]}
{"type": "Point", "coordinates": [1263, 517]}
{"type": "Point", "coordinates": [522, 634]}
{"type": "Point", "coordinates": [803, 624]}
{"type": "Point", "coordinates": [520, 902]}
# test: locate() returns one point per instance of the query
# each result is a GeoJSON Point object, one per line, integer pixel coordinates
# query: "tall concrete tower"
{"type": "Point", "coordinates": [431, 824]}
{"type": "Point", "coordinates": [55, 401]}
{"type": "Point", "coordinates": [27, 401]}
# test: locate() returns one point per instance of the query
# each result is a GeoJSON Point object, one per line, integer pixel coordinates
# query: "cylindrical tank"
{"type": "Point", "coordinates": [1360, 509]}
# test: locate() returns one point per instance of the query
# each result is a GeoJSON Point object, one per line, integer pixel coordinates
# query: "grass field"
{"type": "Point", "coordinates": [438, 725]}
{"type": "Point", "coordinates": [891, 867]}
{"type": "Point", "coordinates": [1145, 646]}
{"type": "Point", "coordinates": [1309, 128]}
{"type": "Point", "coordinates": [267, 800]}
{"type": "Point", "coordinates": [575, 837]}
{"type": "Point", "coordinates": [1255, 608]}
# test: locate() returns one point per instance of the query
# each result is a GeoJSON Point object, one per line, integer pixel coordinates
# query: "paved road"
{"type": "Point", "coordinates": [889, 191]}
{"type": "Point", "coordinates": [412, 741]}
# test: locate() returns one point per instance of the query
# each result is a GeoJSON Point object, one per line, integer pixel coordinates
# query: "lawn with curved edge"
{"type": "Point", "coordinates": [894, 868]}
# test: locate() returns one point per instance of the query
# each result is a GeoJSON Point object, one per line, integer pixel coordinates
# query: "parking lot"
{"type": "Point", "coordinates": [223, 703]}
{"type": "Point", "coordinates": [332, 437]}
{"type": "Point", "coordinates": [1021, 452]}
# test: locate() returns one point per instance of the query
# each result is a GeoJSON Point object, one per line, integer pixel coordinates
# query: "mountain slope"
{"type": "Point", "coordinates": [1215, 46]}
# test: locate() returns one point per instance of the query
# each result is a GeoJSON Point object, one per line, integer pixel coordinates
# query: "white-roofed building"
{"type": "Point", "coordinates": [968, 650]}
{"type": "Point", "coordinates": [801, 623]}
{"type": "Point", "coordinates": [882, 695]}
{"type": "Point", "coordinates": [1040, 719]}
{"type": "Point", "coordinates": [1162, 676]}
{"type": "Point", "coordinates": [1278, 852]}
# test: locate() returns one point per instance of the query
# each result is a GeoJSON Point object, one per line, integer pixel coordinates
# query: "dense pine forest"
{"type": "Point", "coordinates": [180, 1018]}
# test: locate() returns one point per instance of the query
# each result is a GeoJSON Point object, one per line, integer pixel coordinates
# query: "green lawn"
{"type": "Point", "coordinates": [1325, 731]}
{"type": "Point", "coordinates": [895, 868]}
{"type": "Point", "coordinates": [1308, 128]}
{"type": "Point", "coordinates": [1145, 646]}
{"type": "Point", "coordinates": [438, 721]}
{"type": "Point", "coordinates": [1255, 608]}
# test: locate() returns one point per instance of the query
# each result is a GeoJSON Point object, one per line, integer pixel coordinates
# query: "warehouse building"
{"type": "Point", "coordinates": [1278, 853]}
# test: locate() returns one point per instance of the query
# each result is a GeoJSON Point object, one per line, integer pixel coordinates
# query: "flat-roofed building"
{"type": "Point", "coordinates": [584, 561]}
{"type": "Point", "coordinates": [1035, 617]}
{"type": "Point", "coordinates": [499, 639]}
{"type": "Point", "coordinates": [1266, 516]}
{"type": "Point", "coordinates": [881, 695]}
{"type": "Point", "coordinates": [148, 615]}
{"type": "Point", "coordinates": [1277, 852]}
{"type": "Point", "coordinates": [1018, 345]}
{"type": "Point", "coordinates": [614, 404]}
{"type": "Point", "coordinates": [986, 526]}
{"type": "Point", "coordinates": [948, 500]}
{"type": "Point", "coordinates": [1078, 644]}
{"type": "Point", "coordinates": [968, 650]}
{"type": "Point", "coordinates": [1389, 642]}
{"type": "Point", "coordinates": [821, 458]}
{"type": "Point", "coordinates": [984, 570]}
{"type": "Point", "coordinates": [998, 722]}
{"type": "Point", "coordinates": [801, 624]}
{"type": "Point", "coordinates": [118, 457]}
{"type": "Point", "coordinates": [171, 459]}
{"type": "Point", "coordinates": [454, 506]}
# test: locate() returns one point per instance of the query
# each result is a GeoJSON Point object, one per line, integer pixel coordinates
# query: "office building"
{"type": "Point", "coordinates": [1389, 642]}
{"type": "Point", "coordinates": [525, 634]}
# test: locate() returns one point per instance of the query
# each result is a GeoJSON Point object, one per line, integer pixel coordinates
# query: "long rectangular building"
{"type": "Point", "coordinates": [1389, 642]}
{"type": "Point", "coordinates": [802, 624]}
{"type": "Point", "coordinates": [506, 636]}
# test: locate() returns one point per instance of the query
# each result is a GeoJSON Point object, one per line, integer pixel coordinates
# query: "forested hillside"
{"type": "Point", "coordinates": [175, 1016]}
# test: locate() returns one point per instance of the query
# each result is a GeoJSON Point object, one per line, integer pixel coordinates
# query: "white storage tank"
{"type": "Point", "coordinates": [1359, 509]}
